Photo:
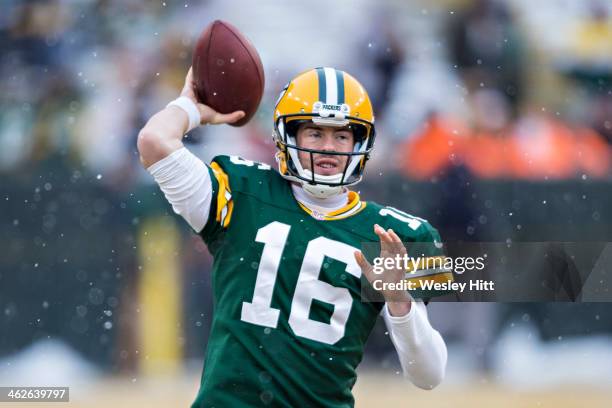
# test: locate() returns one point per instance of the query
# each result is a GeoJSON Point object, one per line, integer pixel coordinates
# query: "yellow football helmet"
{"type": "Point", "coordinates": [327, 97]}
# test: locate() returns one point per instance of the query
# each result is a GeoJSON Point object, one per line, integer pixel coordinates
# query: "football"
{"type": "Point", "coordinates": [227, 71]}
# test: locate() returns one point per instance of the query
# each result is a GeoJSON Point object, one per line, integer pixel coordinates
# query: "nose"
{"type": "Point", "coordinates": [327, 143]}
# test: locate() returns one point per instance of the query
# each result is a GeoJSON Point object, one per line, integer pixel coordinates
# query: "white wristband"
{"type": "Point", "coordinates": [190, 108]}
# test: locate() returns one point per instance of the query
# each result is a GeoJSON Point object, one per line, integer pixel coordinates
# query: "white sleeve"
{"type": "Point", "coordinates": [185, 181]}
{"type": "Point", "coordinates": [421, 349]}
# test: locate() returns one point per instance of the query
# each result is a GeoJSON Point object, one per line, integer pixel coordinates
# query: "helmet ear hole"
{"type": "Point", "coordinates": [359, 132]}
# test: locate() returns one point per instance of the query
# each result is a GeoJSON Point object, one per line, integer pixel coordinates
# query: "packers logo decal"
{"type": "Point", "coordinates": [326, 110]}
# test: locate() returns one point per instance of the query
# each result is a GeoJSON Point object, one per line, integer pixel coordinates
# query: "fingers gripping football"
{"type": "Point", "coordinates": [208, 115]}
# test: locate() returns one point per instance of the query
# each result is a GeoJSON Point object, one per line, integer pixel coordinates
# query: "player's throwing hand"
{"type": "Point", "coordinates": [207, 114]}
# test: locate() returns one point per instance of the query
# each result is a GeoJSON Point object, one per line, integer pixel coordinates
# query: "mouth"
{"type": "Point", "coordinates": [326, 166]}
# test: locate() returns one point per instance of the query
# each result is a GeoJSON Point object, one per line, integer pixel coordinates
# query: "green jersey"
{"type": "Point", "coordinates": [289, 326]}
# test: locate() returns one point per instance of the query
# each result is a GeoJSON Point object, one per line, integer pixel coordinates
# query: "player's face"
{"type": "Point", "coordinates": [333, 139]}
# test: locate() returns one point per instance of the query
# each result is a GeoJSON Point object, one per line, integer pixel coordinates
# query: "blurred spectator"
{"type": "Point", "coordinates": [593, 37]}
{"type": "Point", "coordinates": [383, 54]}
{"type": "Point", "coordinates": [39, 97]}
{"type": "Point", "coordinates": [594, 156]}
{"type": "Point", "coordinates": [486, 45]}
{"type": "Point", "coordinates": [544, 147]}
{"type": "Point", "coordinates": [431, 151]}
{"type": "Point", "coordinates": [587, 60]}
{"type": "Point", "coordinates": [36, 34]}
{"type": "Point", "coordinates": [535, 147]}
{"type": "Point", "coordinates": [485, 151]}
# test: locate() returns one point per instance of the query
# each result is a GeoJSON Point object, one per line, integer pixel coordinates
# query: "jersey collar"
{"type": "Point", "coordinates": [353, 206]}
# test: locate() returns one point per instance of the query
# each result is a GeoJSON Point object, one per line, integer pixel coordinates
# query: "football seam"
{"type": "Point", "coordinates": [250, 56]}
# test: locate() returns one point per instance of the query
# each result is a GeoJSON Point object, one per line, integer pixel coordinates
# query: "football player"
{"type": "Point", "coordinates": [290, 325]}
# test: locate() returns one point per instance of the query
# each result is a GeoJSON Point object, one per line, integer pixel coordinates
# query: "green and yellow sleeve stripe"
{"type": "Point", "coordinates": [224, 204]}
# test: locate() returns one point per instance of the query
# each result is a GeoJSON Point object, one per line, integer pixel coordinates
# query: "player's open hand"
{"type": "Point", "coordinates": [390, 247]}
{"type": "Point", "coordinates": [208, 114]}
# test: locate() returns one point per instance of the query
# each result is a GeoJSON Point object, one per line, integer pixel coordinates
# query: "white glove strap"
{"type": "Point", "coordinates": [190, 108]}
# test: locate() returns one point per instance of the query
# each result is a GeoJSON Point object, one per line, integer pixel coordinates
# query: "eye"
{"type": "Point", "coordinates": [342, 136]}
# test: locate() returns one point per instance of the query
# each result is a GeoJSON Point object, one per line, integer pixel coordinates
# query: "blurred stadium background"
{"type": "Point", "coordinates": [494, 122]}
